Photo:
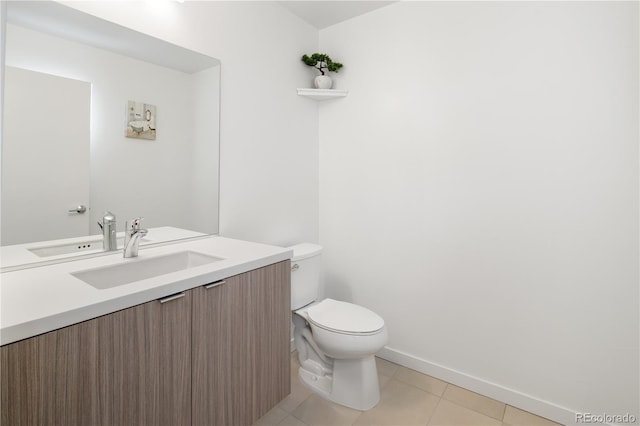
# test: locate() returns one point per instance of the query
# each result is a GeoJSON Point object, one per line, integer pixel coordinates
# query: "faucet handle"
{"type": "Point", "coordinates": [135, 223]}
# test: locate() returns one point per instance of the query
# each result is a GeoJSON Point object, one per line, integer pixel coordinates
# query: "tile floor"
{"type": "Point", "coordinates": [407, 398]}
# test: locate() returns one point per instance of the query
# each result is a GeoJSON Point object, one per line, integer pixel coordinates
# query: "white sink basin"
{"type": "Point", "coordinates": [86, 246]}
{"type": "Point", "coordinates": [137, 269]}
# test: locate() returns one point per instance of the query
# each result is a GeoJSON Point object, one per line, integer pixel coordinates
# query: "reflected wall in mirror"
{"type": "Point", "coordinates": [172, 181]}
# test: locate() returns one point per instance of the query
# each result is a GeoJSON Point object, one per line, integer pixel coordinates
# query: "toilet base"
{"type": "Point", "coordinates": [353, 383]}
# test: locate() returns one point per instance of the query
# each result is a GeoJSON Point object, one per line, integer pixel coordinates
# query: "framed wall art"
{"type": "Point", "coordinates": [141, 120]}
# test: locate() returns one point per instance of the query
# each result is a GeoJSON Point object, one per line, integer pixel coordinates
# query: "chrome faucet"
{"type": "Point", "coordinates": [132, 237]}
{"type": "Point", "coordinates": [108, 226]}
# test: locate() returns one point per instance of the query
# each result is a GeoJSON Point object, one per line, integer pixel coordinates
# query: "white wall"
{"type": "Point", "coordinates": [479, 190]}
{"type": "Point", "coordinates": [269, 135]}
{"type": "Point", "coordinates": [206, 155]}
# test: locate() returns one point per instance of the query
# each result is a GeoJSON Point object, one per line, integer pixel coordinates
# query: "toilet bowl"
{"type": "Point", "coordinates": [336, 341]}
{"type": "Point", "coordinates": [344, 330]}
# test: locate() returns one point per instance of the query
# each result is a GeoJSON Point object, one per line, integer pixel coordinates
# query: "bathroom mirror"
{"type": "Point", "coordinates": [170, 179]}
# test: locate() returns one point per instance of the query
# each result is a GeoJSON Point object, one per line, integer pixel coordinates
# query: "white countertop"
{"type": "Point", "coordinates": [45, 298]}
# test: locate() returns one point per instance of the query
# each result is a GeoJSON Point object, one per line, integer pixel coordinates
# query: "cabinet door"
{"type": "Point", "coordinates": [29, 381]}
{"type": "Point", "coordinates": [152, 363]}
{"type": "Point", "coordinates": [269, 312]}
{"type": "Point", "coordinates": [219, 343]}
{"type": "Point", "coordinates": [132, 367]}
{"type": "Point", "coordinates": [241, 332]}
{"type": "Point", "coordinates": [83, 373]}
{"type": "Point", "coordinates": [58, 378]}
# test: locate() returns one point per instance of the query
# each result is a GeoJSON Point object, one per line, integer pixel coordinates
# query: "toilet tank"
{"type": "Point", "coordinates": [305, 274]}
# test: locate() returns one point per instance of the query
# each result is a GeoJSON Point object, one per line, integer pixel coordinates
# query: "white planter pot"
{"type": "Point", "coordinates": [322, 82]}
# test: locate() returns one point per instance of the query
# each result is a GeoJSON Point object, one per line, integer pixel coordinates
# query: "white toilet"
{"type": "Point", "coordinates": [336, 341]}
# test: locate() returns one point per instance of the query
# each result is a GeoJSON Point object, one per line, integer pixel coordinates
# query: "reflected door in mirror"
{"type": "Point", "coordinates": [45, 158]}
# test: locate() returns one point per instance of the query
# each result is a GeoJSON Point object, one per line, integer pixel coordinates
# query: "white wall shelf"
{"type": "Point", "coordinates": [322, 94]}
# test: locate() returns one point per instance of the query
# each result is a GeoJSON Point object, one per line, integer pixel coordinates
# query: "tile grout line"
{"type": "Point", "coordinates": [434, 410]}
{"type": "Point", "coordinates": [504, 411]}
{"type": "Point", "coordinates": [459, 404]}
{"type": "Point", "coordinates": [419, 388]}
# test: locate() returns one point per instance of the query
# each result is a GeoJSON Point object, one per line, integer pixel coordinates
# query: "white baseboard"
{"type": "Point", "coordinates": [511, 397]}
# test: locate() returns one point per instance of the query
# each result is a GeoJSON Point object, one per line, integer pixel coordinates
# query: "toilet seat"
{"type": "Point", "coordinates": [344, 318]}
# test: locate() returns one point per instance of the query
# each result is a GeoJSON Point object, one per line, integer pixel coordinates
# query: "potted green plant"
{"type": "Point", "coordinates": [322, 62]}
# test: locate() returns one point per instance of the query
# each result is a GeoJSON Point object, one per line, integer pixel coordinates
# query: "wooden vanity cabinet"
{"type": "Point", "coordinates": [217, 356]}
{"type": "Point", "coordinates": [132, 367]}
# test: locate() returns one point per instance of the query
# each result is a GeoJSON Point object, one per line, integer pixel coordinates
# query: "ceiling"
{"type": "Point", "coordinates": [322, 14]}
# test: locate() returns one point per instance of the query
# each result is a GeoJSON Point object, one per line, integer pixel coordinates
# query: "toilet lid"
{"type": "Point", "coordinates": [346, 317]}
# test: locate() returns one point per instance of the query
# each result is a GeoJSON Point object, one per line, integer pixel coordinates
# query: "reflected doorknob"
{"type": "Point", "coordinates": [80, 209]}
